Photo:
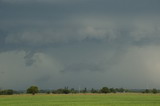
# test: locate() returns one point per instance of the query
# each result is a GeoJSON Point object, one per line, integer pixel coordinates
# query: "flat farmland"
{"type": "Point", "coordinates": [118, 99]}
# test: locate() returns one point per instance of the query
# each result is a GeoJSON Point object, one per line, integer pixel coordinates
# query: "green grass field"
{"type": "Point", "coordinates": [82, 100]}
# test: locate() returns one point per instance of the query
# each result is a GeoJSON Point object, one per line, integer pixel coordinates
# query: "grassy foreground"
{"type": "Point", "coordinates": [81, 100]}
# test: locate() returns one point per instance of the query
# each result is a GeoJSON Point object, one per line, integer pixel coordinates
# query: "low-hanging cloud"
{"type": "Point", "coordinates": [57, 43]}
{"type": "Point", "coordinates": [135, 31]}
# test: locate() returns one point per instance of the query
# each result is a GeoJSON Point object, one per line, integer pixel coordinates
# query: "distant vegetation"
{"type": "Point", "coordinates": [7, 92]}
{"type": "Point", "coordinates": [34, 89]}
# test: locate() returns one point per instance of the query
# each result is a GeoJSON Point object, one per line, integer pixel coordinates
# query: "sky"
{"type": "Point", "coordinates": [79, 43]}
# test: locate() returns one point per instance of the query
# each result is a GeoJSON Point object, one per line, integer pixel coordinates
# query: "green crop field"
{"type": "Point", "coordinates": [125, 99]}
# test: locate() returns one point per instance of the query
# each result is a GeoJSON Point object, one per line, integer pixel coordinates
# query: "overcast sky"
{"type": "Point", "coordinates": [87, 43]}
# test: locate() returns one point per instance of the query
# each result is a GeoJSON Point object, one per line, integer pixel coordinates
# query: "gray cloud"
{"type": "Point", "coordinates": [137, 31]}
{"type": "Point", "coordinates": [83, 67]}
{"type": "Point", "coordinates": [49, 42]}
{"type": "Point", "coordinates": [29, 58]}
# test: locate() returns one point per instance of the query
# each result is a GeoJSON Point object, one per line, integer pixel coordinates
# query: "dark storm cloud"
{"type": "Point", "coordinates": [34, 22]}
{"type": "Point", "coordinates": [61, 38]}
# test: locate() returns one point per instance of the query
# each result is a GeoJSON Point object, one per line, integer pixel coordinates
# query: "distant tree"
{"type": "Point", "coordinates": [85, 90]}
{"type": "Point", "coordinates": [58, 91]}
{"type": "Point", "coordinates": [112, 90]}
{"type": "Point", "coordinates": [66, 90]}
{"type": "Point", "coordinates": [48, 92]}
{"type": "Point", "coordinates": [147, 91]}
{"type": "Point", "coordinates": [54, 91]}
{"type": "Point", "coordinates": [62, 91]}
{"type": "Point", "coordinates": [9, 92]}
{"type": "Point", "coordinates": [6, 92]}
{"type": "Point", "coordinates": [154, 91]}
{"type": "Point", "coordinates": [121, 90]}
{"type": "Point", "coordinates": [126, 90]}
{"type": "Point", "coordinates": [72, 90]}
{"type": "Point", "coordinates": [94, 91]}
{"type": "Point", "coordinates": [33, 90]}
{"type": "Point", "coordinates": [105, 90]}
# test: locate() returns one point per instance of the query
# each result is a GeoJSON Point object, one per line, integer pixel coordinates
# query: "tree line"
{"type": "Point", "coordinates": [66, 90]}
{"type": "Point", "coordinates": [7, 92]}
{"type": "Point", "coordinates": [104, 90]}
